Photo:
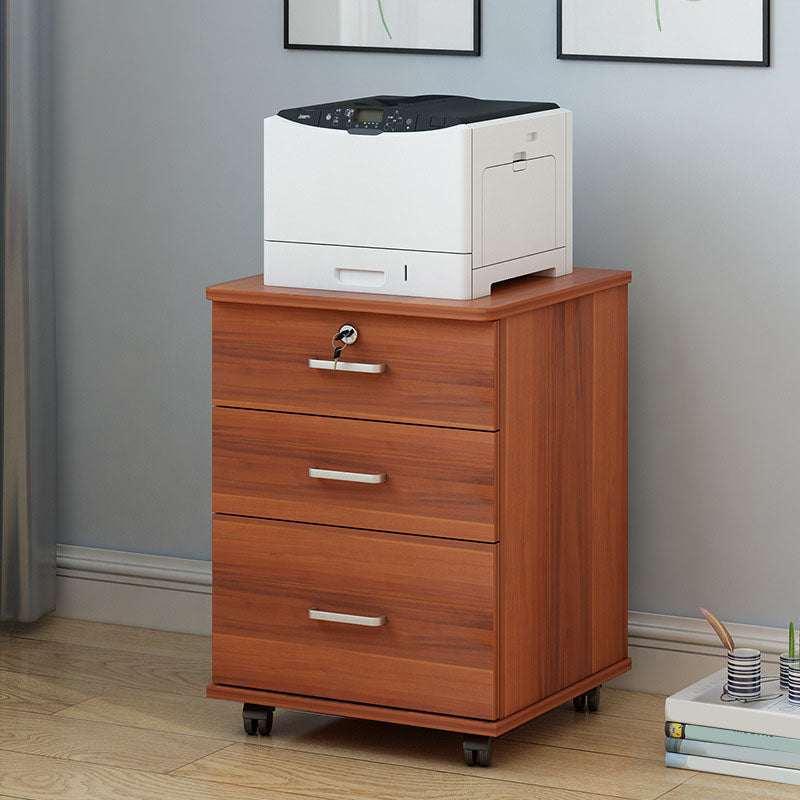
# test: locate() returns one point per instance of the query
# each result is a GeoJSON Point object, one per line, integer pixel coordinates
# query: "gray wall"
{"type": "Point", "coordinates": [688, 175]}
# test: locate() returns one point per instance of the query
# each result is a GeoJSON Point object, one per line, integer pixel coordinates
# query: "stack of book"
{"type": "Point", "coordinates": [758, 739]}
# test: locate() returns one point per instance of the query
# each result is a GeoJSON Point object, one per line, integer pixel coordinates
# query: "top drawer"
{"type": "Point", "coordinates": [437, 372]}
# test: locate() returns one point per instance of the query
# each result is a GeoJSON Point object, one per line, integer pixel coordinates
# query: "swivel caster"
{"type": "Point", "coordinates": [478, 750]}
{"type": "Point", "coordinates": [257, 719]}
{"type": "Point", "coordinates": [589, 701]}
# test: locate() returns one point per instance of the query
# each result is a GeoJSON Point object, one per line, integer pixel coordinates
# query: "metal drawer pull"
{"type": "Point", "coordinates": [352, 477]}
{"type": "Point", "coordinates": [347, 619]}
{"type": "Point", "coordinates": [345, 366]}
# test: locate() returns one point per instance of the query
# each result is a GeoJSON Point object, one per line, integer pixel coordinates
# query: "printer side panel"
{"type": "Point", "coordinates": [522, 197]}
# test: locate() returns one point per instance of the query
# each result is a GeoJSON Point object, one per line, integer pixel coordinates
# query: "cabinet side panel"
{"type": "Point", "coordinates": [563, 480]}
{"type": "Point", "coordinates": [525, 556]}
{"type": "Point", "coordinates": [610, 478]}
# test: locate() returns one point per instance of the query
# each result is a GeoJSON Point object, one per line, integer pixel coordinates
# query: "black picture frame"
{"type": "Point", "coordinates": [476, 41]}
{"type": "Point", "coordinates": [765, 62]}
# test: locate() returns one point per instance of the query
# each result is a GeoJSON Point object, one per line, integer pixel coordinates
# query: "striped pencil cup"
{"type": "Point", "coordinates": [787, 664]}
{"type": "Point", "coordinates": [794, 685]}
{"type": "Point", "coordinates": [744, 673]}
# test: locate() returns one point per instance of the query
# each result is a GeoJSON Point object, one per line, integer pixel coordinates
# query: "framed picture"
{"type": "Point", "coordinates": [733, 32]}
{"type": "Point", "coordinates": [443, 27]}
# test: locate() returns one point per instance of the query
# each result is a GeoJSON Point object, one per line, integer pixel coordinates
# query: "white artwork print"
{"type": "Point", "coordinates": [424, 24]}
{"type": "Point", "coordinates": [719, 30]}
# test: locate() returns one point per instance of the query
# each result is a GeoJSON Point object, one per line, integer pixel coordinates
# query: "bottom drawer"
{"type": "Point", "coordinates": [403, 621]}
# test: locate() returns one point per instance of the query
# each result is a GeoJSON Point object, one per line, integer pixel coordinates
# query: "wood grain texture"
{"type": "Point", "coordinates": [115, 745]}
{"type": "Point", "coordinates": [440, 481]}
{"type": "Point", "coordinates": [39, 778]}
{"type": "Point", "coordinates": [609, 505]}
{"type": "Point", "coordinates": [95, 664]}
{"type": "Point", "coordinates": [311, 755]}
{"type": "Point", "coordinates": [437, 596]}
{"type": "Point", "coordinates": [343, 778]}
{"type": "Point", "coordinates": [437, 372]}
{"type": "Point", "coordinates": [375, 742]}
{"type": "Point", "coordinates": [168, 712]}
{"type": "Point", "coordinates": [507, 299]}
{"type": "Point", "coordinates": [632, 705]}
{"type": "Point", "coordinates": [597, 733]}
{"type": "Point", "coordinates": [525, 765]}
{"type": "Point", "coordinates": [704, 786]}
{"type": "Point", "coordinates": [563, 552]}
{"type": "Point", "coordinates": [421, 719]}
{"type": "Point", "coordinates": [550, 486]}
{"type": "Point", "coordinates": [116, 637]}
{"type": "Point", "coordinates": [41, 694]}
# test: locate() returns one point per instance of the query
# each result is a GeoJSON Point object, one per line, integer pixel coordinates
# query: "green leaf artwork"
{"type": "Point", "coordinates": [383, 18]}
{"type": "Point", "coordinates": [658, 11]}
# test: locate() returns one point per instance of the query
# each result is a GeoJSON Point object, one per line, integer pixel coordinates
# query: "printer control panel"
{"type": "Point", "coordinates": [391, 114]}
{"type": "Point", "coordinates": [344, 117]}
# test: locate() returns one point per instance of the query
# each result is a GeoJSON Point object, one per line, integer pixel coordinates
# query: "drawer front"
{"type": "Point", "coordinates": [405, 478]}
{"type": "Point", "coordinates": [426, 607]}
{"type": "Point", "coordinates": [436, 372]}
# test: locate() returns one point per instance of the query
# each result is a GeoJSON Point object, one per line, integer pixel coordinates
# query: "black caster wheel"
{"type": "Point", "coordinates": [478, 751]}
{"type": "Point", "coordinates": [257, 719]}
{"type": "Point", "coordinates": [593, 699]}
{"type": "Point", "coordinates": [579, 702]}
{"type": "Point", "coordinates": [250, 726]}
{"type": "Point", "coordinates": [265, 724]}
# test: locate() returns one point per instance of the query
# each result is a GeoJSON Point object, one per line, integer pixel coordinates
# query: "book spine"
{"type": "Point", "coordinates": [778, 719]}
{"type": "Point", "coordinates": [730, 752]}
{"type": "Point", "coordinates": [702, 733]}
{"type": "Point", "coordinates": [739, 769]}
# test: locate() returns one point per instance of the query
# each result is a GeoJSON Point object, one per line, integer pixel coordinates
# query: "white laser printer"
{"type": "Point", "coordinates": [428, 196]}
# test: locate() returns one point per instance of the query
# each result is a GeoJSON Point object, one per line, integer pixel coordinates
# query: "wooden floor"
{"type": "Point", "coordinates": [100, 712]}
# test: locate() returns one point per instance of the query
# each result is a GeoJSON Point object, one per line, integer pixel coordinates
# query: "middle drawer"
{"type": "Point", "coordinates": [355, 473]}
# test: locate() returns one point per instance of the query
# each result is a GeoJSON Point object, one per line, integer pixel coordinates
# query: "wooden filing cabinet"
{"type": "Point", "coordinates": [435, 532]}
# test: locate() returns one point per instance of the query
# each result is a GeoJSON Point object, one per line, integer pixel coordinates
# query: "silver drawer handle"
{"type": "Point", "coordinates": [347, 619]}
{"type": "Point", "coordinates": [352, 477]}
{"type": "Point", "coordinates": [345, 366]}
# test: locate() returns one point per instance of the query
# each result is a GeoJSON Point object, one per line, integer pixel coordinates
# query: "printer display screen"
{"type": "Point", "coordinates": [369, 115]}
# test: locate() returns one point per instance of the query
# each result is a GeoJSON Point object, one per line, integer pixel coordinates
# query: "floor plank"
{"type": "Point", "coordinates": [704, 786]}
{"type": "Point", "coordinates": [117, 637]}
{"type": "Point", "coordinates": [514, 765]}
{"type": "Point", "coordinates": [123, 717]}
{"type": "Point", "coordinates": [99, 743]}
{"type": "Point", "coordinates": [39, 778]}
{"type": "Point", "coordinates": [596, 733]}
{"type": "Point", "coordinates": [364, 740]}
{"type": "Point", "coordinates": [79, 662]}
{"type": "Point", "coordinates": [631, 705]}
{"type": "Point", "coordinates": [41, 694]}
{"type": "Point", "coordinates": [159, 711]}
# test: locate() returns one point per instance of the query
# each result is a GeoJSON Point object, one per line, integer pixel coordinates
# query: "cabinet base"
{"type": "Point", "coordinates": [420, 719]}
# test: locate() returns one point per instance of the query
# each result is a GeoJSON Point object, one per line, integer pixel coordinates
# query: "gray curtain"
{"type": "Point", "coordinates": [27, 327]}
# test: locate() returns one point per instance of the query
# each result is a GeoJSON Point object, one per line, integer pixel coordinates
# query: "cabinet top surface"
{"type": "Point", "coordinates": [509, 298]}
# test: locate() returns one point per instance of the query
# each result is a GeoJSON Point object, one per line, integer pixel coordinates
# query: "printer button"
{"type": "Point", "coordinates": [437, 122]}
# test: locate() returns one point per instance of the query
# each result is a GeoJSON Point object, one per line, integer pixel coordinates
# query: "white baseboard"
{"type": "Point", "coordinates": [669, 653]}
{"type": "Point", "coordinates": [143, 591]}
{"type": "Point", "coordinates": [174, 594]}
